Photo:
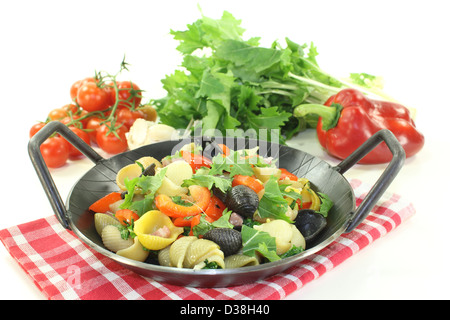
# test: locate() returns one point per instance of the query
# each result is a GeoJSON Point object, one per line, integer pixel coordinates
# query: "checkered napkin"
{"type": "Point", "coordinates": [63, 267]}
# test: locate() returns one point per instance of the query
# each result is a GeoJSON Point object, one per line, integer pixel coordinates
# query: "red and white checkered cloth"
{"type": "Point", "coordinates": [63, 267]}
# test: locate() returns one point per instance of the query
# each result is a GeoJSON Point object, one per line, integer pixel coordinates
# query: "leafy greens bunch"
{"type": "Point", "coordinates": [228, 82]}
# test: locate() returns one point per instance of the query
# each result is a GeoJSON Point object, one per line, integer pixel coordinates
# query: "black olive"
{"type": "Point", "coordinates": [229, 240]}
{"type": "Point", "coordinates": [219, 194]}
{"type": "Point", "coordinates": [242, 200]}
{"type": "Point", "coordinates": [149, 171]}
{"type": "Point", "coordinates": [310, 223]}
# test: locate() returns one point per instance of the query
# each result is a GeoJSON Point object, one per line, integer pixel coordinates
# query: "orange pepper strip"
{"type": "Point", "coordinates": [126, 216]}
{"type": "Point", "coordinates": [248, 181]}
{"type": "Point", "coordinates": [102, 204]}
{"type": "Point", "coordinates": [201, 196]}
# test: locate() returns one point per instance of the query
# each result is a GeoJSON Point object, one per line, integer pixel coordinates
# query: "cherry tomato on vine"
{"type": "Point", "coordinates": [57, 114]}
{"type": "Point", "coordinates": [36, 127]}
{"type": "Point", "coordinates": [75, 119]}
{"type": "Point", "coordinates": [92, 125]}
{"type": "Point", "coordinates": [91, 97]}
{"type": "Point", "coordinates": [130, 95]}
{"type": "Point", "coordinates": [55, 152]}
{"type": "Point", "coordinates": [77, 84]}
{"type": "Point", "coordinates": [109, 142]}
{"type": "Point", "coordinates": [73, 152]}
{"type": "Point", "coordinates": [127, 117]}
{"type": "Point", "coordinates": [70, 108]}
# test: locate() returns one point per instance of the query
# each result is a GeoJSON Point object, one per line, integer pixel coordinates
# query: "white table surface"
{"type": "Point", "coordinates": [48, 45]}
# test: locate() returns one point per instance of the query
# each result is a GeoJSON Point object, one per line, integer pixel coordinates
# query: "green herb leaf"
{"type": "Point", "coordinates": [208, 181]}
{"type": "Point", "coordinates": [272, 204]}
{"type": "Point", "coordinates": [252, 238]}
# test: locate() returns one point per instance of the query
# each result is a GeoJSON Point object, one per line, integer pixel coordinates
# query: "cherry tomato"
{"type": "Point", "coordinates": [74, 153]}
{"type": "Point", "coordinates": [57, 114]}
{"type": "Point", "coordinates": [91, 97]}
{"type": "Point", "coordinates": [75, 119]}
{"type": "Point", "coordinates": [129, 94]}
{"type": "Point", "coordinates": [92, 125]}
{"type": "Point", "coordinates": [54, 151]}
{"type": "Point", "coordinates": [36, 127]}
{"type": "Point", "coordinates": [70, 109]}
{"type": "Point", "coordinates": [128, 117]}
{"type": "Point", "coordinates": [77, 84]}
{"type": "Point", "coordinates": [109, 142]}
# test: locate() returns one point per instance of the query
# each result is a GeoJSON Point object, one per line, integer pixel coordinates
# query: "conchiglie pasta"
{"type": "Point", "coordinates": [112, 239]}
{"type": "Point", "coordinates": [178, 251]}
{"type": "Point", "coordinates": [135, 252]}
{"type": "Point", "coordinates": [239, 261]}
{"type": "Point", "coordinates": [134, 170]}
{"type": "Point", "coordinates": [201, 250]}
{"type": "Point", "coordinates": [148, 224]}
{"type": "Point", "coordinates": [284, 234]}
{"type": "Point", "coordinates": [191, 252]}
{"type": "Point", "coordinates": [102, 220]}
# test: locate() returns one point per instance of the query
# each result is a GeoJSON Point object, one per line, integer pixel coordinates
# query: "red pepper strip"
{"type": "Point", "coordinates": [102, 204]}
{"type": "Point", "coordinates": [215, 209]}
{"type": "Point", "coordinates": [201, 196]}
{"type": "Point", "coordinates": [213, 212]}
{"type": "Point", "coordinates": [248, 181]}
{"type": "Point", "coordinates": [349, 118]}
{"type": "Point", "coordinates": [287, 175]}
{"type": "Point", "coordinates": [196, 161]}
{"type": "Point", "coordinates": [126, 216]}
{"type": "Point", "coordinates": [303, 205]}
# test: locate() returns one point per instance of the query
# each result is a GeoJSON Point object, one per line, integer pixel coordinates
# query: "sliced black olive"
{"type": "Point", "coordinates": [310, 223]}
{"type": "Point", "coordinates": [149, 171]}
{"type": "Point", "coordinates": [242, 200]}
{"type": "Point", "coordinates": [229, 240]}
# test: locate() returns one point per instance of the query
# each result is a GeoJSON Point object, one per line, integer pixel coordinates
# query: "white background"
{"type": "Point", "coordinates": [48, 45]}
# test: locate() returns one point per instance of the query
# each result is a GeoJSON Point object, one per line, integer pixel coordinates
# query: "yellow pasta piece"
{"type": "Point", "coordinates": [149, 223]}
{"type": "Point", "coordinates": [135, 252]}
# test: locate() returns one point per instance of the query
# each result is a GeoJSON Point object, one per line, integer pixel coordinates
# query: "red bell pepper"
{"type": "Point", "coordinates": [349, 118]}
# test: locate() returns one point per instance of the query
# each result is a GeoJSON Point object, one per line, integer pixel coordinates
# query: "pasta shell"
{"type": "Point", "coordinates": [217, 258]}
{"type": "Point", "coordinates": [168, 187]}
{"type": "Point", "coordinates": [179, 171]}
{"type": "Point", "coordinates": [240, 260]}
{"type": "Point", "coordinates": [135, 252]}
{"type": "Point", "coordinates": [164, 257]}
{"type": "Point", "coordinates": [102, 220]}
{"type": "Point", "coordinates": [281, 231]}
{"type": "Point", "coordinates": [112, 239]}
{"type": "Point", "coordinates": [178, 250]}
{"type": "Point", "coordinates": [149, 223]}
{"type": "Point", "coordinates": [132, 171]}
{"type": "Point", "coordinates": [297, 238]}
{"type": "Point", "coordinates": [199, 251]}
{"type": "Point", "coordinates": [308, 195]}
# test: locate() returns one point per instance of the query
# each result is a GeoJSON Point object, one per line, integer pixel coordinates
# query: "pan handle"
{"type": "Point", "coordinates": [383, 181]}
{"type": "Point", "coordinates": [42, 169]}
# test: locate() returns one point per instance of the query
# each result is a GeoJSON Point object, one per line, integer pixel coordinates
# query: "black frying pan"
{"type": "Point", "coordinates": [100, 180]}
